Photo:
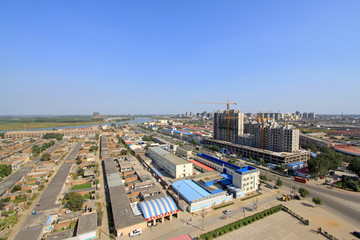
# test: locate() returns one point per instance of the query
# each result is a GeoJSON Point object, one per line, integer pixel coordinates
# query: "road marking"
{"type": "Point", "coordinates": [353, 205]}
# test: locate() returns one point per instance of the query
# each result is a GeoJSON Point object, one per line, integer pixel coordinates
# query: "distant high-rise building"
{"type": "Point", "coordinates": [96, 115]}
{"type": "Point", "coordinates": [305, 115]}
{"type": "Point", "coordinates": [236, 125]}
{"type": "Point", "coordinates": [311, 115]}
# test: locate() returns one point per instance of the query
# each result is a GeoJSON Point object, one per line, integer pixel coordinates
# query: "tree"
{"type": "Point", "coordinates": [354, 166]}
{"type": "Point", "coordinates": [45, 157]}
{"type": "Point", "coordinates": [317, 201]}
{"type": "Point", "coordinates": [5, 170]}
{"type": "Point", "coordinates": [2, 135]}
{"type": "Point", "coordinates": [261, 160]}
{"type": "Point", "coordinates": [113, 125]}
{"type": "Point", "coordinates": [93, 148]}
{"type": "Point", "coordinates": [195, 143]}
{"type": "Point", "coordinates": [16, 188]}
{"type": "Point", "coordinates": [57, 136]}
{"type": "Point", "coordinates": [304, 192]}
{"type": "Point", "coordinates": [35, 150]}
{"type": "Point", "coordinates": [74, 201]}
{"type": "Point", "coordinates": [124, 152]}
{"type": "Point", "coordinates": [147, 138]}
{"type": "Point", "coordinates": [80, 171]}
{"type": "Point", "coordinates": [78, 160]}
{"type": "Point", "coordinates": [279, 182]}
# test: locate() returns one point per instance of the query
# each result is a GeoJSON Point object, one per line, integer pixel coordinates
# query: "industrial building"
{"type": "Point", "coordinates": [75, 132]}
{"type": "Point", "coordinates": [243, 180]}
{"type": "Point", "coordinates": [197, 197]}
{"type": "Point", "coordinates": [184, 152]}
{"type": "Point", "coordinates": [159, 208]}
{"type": "Point", "coordinates": [235, 121]}
{"type": "Point", "coordinates": [247, 179]}
{"type": "Point", "coordinates": [257, 153]}
{"type": "Point", "coordinates": [173, 165]}
{"type": "Point", "coordinates": [295, 166]}
{"type": "Point", "coordinates": [119, 202]}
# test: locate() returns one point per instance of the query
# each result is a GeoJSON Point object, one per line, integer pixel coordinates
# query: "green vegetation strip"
{"type": "Point", "coordinates": [259, 193]}
{"type": "Point", "coordinates": [81, 186]}
{"type": "Point", "coordinates": [216, 208]}
{"type": "Point", "coordinates": [238, 224]}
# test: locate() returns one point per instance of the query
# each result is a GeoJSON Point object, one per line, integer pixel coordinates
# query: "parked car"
{"type": "Point", "coordinates": [227, 211]}
{"type": "Point", "coordinates": [356, 234]}
{"type": "Point", "coordinates": [269, 186]}
{"type": "Point", "coordinates": [135, 232]}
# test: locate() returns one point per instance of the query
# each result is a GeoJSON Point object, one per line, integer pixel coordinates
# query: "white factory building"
{"type": "Point", "coordinates": [173, 165]}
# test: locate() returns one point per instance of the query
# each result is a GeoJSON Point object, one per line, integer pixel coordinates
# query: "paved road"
{"type": "Point", "coordinates": [33, 225]}
{"type": "Point", "coordinates": [342, 202]}
{"type": "Point", "coordinates": [16, 176]}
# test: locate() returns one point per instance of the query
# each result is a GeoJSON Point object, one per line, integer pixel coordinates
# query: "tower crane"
{"type": "Point", "coordinates": [260, 118]}
{"type": "Point", "coordinates": [227, 117]}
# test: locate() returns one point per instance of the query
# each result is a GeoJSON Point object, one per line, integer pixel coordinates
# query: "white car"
{"type": "Point", "coordinates": [135, 232]}
{"type": "Point", "coordinates": [227, 211]}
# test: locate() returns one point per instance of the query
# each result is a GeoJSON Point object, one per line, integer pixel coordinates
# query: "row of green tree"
{"type": "Point", "coordinates": [36, 149]}
{"type": "Point", "coordinates": [5, 170]}
{"type": "Point", "coordinates": [354, 164]}
{"type": "Point", "coordinates": [147, 138]}
{"type": "Point", "coordinates": [57, 136]}
{"type": "Point", "coordinates": [213, 148]}
{"type": "Point", "coordinates": [329, 160]}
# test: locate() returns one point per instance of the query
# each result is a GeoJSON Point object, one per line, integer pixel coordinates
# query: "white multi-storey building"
{"type": "Point", "coordinates": [247, 179]}
{"type": "Point", "coordinates": [173, 165]}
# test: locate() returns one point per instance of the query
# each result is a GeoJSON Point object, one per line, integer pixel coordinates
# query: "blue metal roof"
{"type": "Point", "coordinates": [227, 176]}
{"type": "Point", "coordinates": [218, 161]}
{"type": "Point", "coordinates": [313, 154]}
{"type": "Point", "coordinates": [295, 164]}
{"type": "Point", "coordinates": [246, 168]}
{"type": "Point", "coordinates": [157, 172]}
{"type": "Point", "coordinates": [48, 222]}
{"type": "Point", "coordinates": [155, 207]}
{"type": "Point", "coordinates": [189, 190]}
{"type": "Point", "coordinates": [226, 182]}
{"type": "Point", "coordinates": [179, 131]}
{"type": "Point", "coordinates": [216, 191]}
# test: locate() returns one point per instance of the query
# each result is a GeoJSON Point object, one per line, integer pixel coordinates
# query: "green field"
{"type": "Point", "coordinates": [15, 123]}
{"type": "Point", "coordinates": [81, 186]}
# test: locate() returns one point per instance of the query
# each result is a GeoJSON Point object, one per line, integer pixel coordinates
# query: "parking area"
{"type": "Point", "coordinates": [278, 226]}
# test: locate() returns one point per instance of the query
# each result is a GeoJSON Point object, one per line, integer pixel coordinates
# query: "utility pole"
{"type": "Point", "coordinates": [203, 214]}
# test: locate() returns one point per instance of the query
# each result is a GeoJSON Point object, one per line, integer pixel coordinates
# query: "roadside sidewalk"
{"type": "Point", "coordinates": [319, 217]}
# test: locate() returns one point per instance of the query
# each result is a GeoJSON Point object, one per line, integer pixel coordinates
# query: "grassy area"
{"type": "Point", "coordinates": [20, 126]}
{"type": "Point", "coordinates": [9, 221]}
{"type": "Point", "coordinates": [81, 186]}
{"type": "Point", "coordinates": [215, 208]}
{"type": "Point", "coordinates": [313, 130]}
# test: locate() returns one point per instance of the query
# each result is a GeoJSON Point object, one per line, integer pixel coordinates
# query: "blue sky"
{"type": "Point", "coordinates": [120, 57]}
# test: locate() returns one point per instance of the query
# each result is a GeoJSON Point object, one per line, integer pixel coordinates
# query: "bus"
{"type": "Point", "coordinates": [300, 179]}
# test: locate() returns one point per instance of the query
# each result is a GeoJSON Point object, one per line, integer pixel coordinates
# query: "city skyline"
{"type": "Point", "coordinates": [66, 58]}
